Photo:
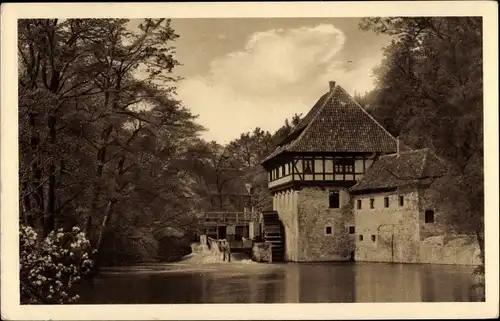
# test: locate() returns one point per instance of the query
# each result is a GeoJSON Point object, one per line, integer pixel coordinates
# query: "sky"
{"type": "Point", "coordinates": [239, 74]}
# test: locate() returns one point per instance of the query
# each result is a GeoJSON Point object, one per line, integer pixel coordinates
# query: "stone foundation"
{"type": "Point", "coordinates": [285, 203]}
{"type": "Point", "coordinates": [461, 250]}
{"type": "Point", "coordinates": [396, 233]}
{"type": "Point", "coordinates": [261, 252]}
{"type": "Point", "coordinates": [314, 216]}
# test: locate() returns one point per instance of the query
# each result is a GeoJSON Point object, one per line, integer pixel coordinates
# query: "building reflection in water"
{"type": "Point", "coordinates": [325, 283]}
{"type": "Point", "coordinates": [385, 282]}
{"type": "Point", "coordinates": [287, 283]}
{"type": "Point", "coordinates": [412, 283]}
{"type": "Point", "coordinates": [259, 287]}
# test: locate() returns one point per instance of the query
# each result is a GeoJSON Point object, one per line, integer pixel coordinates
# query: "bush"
{"type": "Point", "coordinates": [477, 290]}
{"type": "Point", "coordinates": [50, 269]}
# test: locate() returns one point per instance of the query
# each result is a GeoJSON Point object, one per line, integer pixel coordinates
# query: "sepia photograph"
{"type": "Point", "coordinates": [181, 160]}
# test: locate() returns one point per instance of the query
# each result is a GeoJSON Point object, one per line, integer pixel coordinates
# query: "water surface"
{"type": "Point", "coordinates": [249, 282]}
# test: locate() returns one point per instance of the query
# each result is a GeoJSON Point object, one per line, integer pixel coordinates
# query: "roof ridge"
{"type": "Point", "coordinates": [406, 152]}
{"type": "Point", "coordinates": [360, 107]}
{"type": "Point", "coordinates": [424, 163]}
{"type": "Point", "coordinates": [330, 95]}
{"type": "Point", "coordinates": [387, 155]}
{"type": "Point", "coordinates": [443, 162]}
{"type": "Point", "coordinates": [434, 154]}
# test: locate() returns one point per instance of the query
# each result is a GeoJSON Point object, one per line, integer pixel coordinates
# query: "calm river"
{"type": "Point", "coordinates": [249, 282]}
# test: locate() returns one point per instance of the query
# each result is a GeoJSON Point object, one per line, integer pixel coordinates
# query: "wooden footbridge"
{"type": "Point", "coordinates": [237, 231]}
{"type": "Point", "coordinates": [233, 226]}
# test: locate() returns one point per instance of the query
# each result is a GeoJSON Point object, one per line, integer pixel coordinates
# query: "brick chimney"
{"type": "Point", "coordinates": [332, 85]}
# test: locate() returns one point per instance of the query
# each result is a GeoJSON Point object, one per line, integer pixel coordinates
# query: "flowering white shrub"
{"type": "Point", "coordinates": [49, 269]}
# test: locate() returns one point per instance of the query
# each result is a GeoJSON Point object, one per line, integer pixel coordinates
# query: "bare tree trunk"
{"type": "Point", "coordinates": [28, 214]}
{"type": "Point", "coordinates": [109, 211]}
{"type": "Point", "coordinates": [49, 217]}
{"type": "Point", "coordinates": [480, 242]}
{"type": "Point", "coordinates": [36, 168]}
{"type": "Point", "coordinates": [100, 157]}
{"type": "Point", "coordinates": [107, 217]}
{"type": "Point", "coordinates": [98, 256]}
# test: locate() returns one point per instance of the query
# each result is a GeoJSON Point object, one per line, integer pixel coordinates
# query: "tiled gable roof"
{"type": "Point", "coordinates": [403, 169]}
{"type": "Point", "coordinates": [337, 123]}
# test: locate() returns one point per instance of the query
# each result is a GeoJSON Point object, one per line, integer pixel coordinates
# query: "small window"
{"type": "Point", "coordinates": [372, 203]}
{"type": "Point", "coordinates": [351, 229]}
{"type": "Point", "coordinates": [359, 204]}
{"type": "Point", "coordinates": [361, 237]}
{"type": "Point", "coordinates": [344, 165]}
{"type": "Point", "coordinates": [401, 200]}
{"type": "Point", "coordinates": [283, 170]}
{"type": "Point", "coordinates": [338, 165]}
{"type": "Point", "coordinates": [373, 238]}
{"type": "Point", "coordinates": [386, 201]}
{"type": "Point", "coordinates": [308, 166]}
{"type": "Point", "coordinates": [334, 199]}
{"type": "Point", "coordinates": [348, 165]}
{"type": "Point", "coordinates": [328, 230]}
{"type": "Point", "coordinates": [429, 216]}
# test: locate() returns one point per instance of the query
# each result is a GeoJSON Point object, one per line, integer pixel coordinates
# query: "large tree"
{"type": "Point", "coordinates": [101, 134]}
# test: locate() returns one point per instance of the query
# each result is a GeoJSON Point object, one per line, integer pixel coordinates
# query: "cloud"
{"type": "Point", "coordinates": [279, 72]}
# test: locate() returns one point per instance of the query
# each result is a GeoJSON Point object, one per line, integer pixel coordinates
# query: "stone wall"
{"type": "Point", "coordinates": [461, 250]}
{"type": "Point", "coordinates": [389, 234]}
{"type": "Point", "coordinates": [402, 235]}
{"type": "Point", "coordinates": [428, 199]}
{"type": "Point", "coordinates": [314, 216]}
{"type": "Point", "coordinates": [285, 203]}
{"type": "Point", "coordinates": [261, 252]}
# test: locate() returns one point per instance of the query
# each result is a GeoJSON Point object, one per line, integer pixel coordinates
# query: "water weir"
{"type": "Point", "coordinates": [210, 251]}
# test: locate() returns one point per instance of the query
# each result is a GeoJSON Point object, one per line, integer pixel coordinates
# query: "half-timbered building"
{"type": "Point", "coordinates": [311, 170]}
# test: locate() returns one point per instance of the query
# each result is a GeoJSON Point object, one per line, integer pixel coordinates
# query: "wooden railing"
{"type": "Point", "coordinates": [229, 217]}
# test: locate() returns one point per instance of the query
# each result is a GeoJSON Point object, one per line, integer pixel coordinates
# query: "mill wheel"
{"type": "Point", "coordinates": [273, 234]}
